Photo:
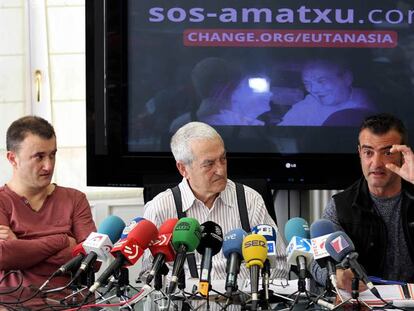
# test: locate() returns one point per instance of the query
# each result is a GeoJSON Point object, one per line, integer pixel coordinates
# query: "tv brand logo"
{"type": "Point", "coordinates": [230, 237]}
{"type": "Point", "coordinates": [290, 165]}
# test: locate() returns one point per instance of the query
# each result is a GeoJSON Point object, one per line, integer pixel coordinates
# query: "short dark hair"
{"type": "Point", "coordinates": [19, 129]}
{"type": "Point", "coordinates": [382, 123]}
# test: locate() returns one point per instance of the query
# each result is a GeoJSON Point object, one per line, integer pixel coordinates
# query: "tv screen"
{"type": "Point", "coordinates": [285, 83]}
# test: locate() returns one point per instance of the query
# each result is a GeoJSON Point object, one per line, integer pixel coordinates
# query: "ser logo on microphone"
{"type": "Point", "coordinates": [255, 243]}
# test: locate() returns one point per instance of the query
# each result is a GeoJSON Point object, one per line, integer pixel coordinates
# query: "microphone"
{"type": "Point", "coordinates": [186, 237]}
{"type": "Point", "coordinates": [269, 233]}
{"type": "Point", "coordinates": [342, 249]}
{"type": "Point", "coordinates": [210, 244]}
{"type": "Point", "coordinates": [232, 250]}
{"type": "Point", "coordinates": [129, 250]}
{"type": "Point", "coordinates": [78, 253]}
{"type": "Point", "coordinates": [99, 244]}
{"type": "Point", "coordinates": [298, 251]}
{"type": "Point", "coordinates": [254, 253]}
{"type": "Point", "coordinates": [320, 230]}
{"type": "Point", "coordinates": [162, 249]}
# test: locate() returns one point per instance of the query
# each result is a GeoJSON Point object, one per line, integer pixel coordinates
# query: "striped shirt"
{"type": "Point", "coordinates": [224, 212]}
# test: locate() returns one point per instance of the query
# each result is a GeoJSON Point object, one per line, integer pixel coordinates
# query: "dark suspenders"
{"type": "Point", "coordinates": [241, 204]}
{"type": "Point", "coordinates": [244, 218]}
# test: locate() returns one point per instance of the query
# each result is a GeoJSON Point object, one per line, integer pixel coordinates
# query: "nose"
{"type": "Point", "coordinates": [48, 164]}
{"type": "Point", "coordinates": [220, 168]}
{"type": "Point", "coordinates": [377, 160]}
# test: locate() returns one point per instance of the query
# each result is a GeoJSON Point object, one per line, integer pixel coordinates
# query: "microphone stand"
{"type": "Point", "coordinates": [355, 293]}
{"type": "Point", "coordinates": [301, 264]}
{"type": "Point", "coordinates": [158, 278]}
{"type": "Point", "coordinates": [264, 293]}
{"type": "Point", "coordinates": [181, 287]}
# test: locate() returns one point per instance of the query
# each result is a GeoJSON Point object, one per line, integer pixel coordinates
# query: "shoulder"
{"type": "Point", "coordinates": [6, 200]}
{"type": "Point", "coordinates": [69, 192]}
{"type": "Point", "coordinates": [69, 197]}
{"type": "Point", "coordinates": [161, 200]}
{"type": "Point", "coordinates": [348, 192]}
{"type": "Point", "coordinates": [250, 194]}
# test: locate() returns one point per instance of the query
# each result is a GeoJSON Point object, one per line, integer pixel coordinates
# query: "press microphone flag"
{"type": "Point", "coordinates": [210, 244]}
{"type": "Point", "coordinates": [269, 233]}
{"type": "Point", "coordinates": [101, 242]}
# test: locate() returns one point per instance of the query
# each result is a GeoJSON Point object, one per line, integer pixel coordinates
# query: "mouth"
{"type": "Point", "coordinates": [377, 173]}
{"type": "Point", "coordinates": [219, 179]}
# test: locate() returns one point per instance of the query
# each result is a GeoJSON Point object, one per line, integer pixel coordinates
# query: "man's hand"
{"type": "Point", "coordinates": [406, 171]}
{"type": "Point", "coordinates": [6, 233]}
{"type": "Point", "coordinates": [72, 243]}
{"type": "Point", "coordinates": [344, 280]}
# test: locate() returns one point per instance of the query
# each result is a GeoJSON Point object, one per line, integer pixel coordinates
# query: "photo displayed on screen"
{"type": "Point", "coordinates": [282, 77]}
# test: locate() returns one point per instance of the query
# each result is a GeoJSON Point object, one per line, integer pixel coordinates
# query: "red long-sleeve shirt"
{"type": "Point", "coordinates": [42, 244]}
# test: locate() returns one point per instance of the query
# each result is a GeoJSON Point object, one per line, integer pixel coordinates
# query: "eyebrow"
{"type": "Point", "coordinates": [212, 161]}
{"type": "Point", "coordinates": [42, 153]}
{"type": "Point", "coordinates": [370, 147]}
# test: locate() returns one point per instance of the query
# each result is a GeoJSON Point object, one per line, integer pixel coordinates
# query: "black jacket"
{"type": "Point", "coordinates": [363, 224]}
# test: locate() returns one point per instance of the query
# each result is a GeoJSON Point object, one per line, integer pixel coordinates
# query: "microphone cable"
{"type": "Point", "coordinates": [12, 290]}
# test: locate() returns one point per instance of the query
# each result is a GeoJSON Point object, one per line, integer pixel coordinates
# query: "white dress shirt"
{"type": "Point", "coordinates": [224, 212]}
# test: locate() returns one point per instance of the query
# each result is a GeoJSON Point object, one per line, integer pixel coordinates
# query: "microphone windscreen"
{"type": "Point", "coordinates": [338, 245]}
{"type": "Point", "coordinates": [233, 241]}
{"type": "Point", "coordinates": [112, 226]}
{"type": "Point", "coordinates": [321, 227]}
{"type": "Point", "coordinates": [143, 233]}
{"type": "Point", "coordinates": [297, 227]}
{"type": "Point", "coordinates": [186, 232]}
{"type": "Point", "coordinates": [130, 226]}
{"type": "Point", "coordinates": [168, 226]}
{"type": "Point", "coordinates": [211, 236]}
{"type": "Point", "coordinates": [78, 249]}
{"type": "Point", "coordinates": [254, 250]}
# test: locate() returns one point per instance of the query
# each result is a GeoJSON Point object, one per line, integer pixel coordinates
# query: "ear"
{"type": "Point", "coordinates": [359, 151]}
{"type": "Point", "coordinates": [11, 157]}
{"type": "Point", "coordinates": [182, 169]}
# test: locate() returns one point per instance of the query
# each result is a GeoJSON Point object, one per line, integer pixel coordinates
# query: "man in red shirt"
{"type": "Point", "coordinates": [40, 222]}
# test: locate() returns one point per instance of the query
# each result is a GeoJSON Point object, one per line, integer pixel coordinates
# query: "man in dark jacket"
{"type": "Point", "coordinates": [377, 210]}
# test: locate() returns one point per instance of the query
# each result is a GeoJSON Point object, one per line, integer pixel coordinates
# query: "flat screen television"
{"type": "Point", "coordinates": [286, 84]}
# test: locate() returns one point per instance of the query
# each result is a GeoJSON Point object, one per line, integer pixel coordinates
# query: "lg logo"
{"type": "Point", "coordinates": [290, 165]}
